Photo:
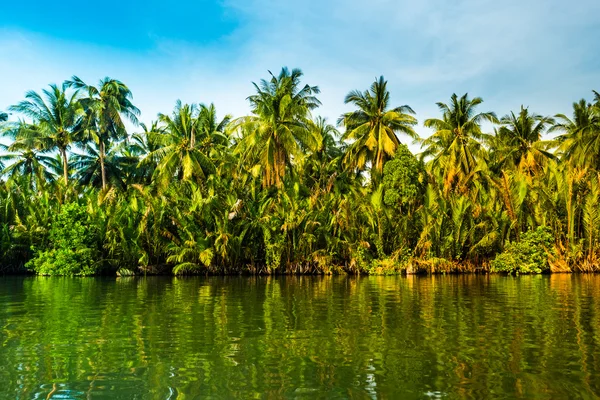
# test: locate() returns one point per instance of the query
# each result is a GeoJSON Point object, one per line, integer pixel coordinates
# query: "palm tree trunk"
{"type": "Point", "coordinates": [102, 169]}
{"type": "Point", "coordinates": [63, 154]}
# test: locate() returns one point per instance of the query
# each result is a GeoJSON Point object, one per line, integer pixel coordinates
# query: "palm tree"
{"type": "Point", "coordinates": [178, 152]}
{"type": "Point", "coordinates": [24, 158]}
{"type": "Point", "coordinates": [579, 142]}
{"type": "Point", "coordinates": [214, 139]}
{"type": "Point", "coordinates": [143, 143]}
{"type": "Point", "coordinates": [271, 137]}
{"type": "Point", "coordinates": [325, 139]}
{"type": "Point", "coordinates": [373, 127]}
{"type": "Point", "coordinates": [28, 163]}
{"type": "Point", "coordinates": [88, 166]}
{"type": "Point", "coordinates": [140, 143]}
{"type": "Point", "coordinates": [323, 161]}
{"type": "Point", "coordinates": [455, 145]}
{"type": "Point", "coordinates": [55, 166]}
{"type": "Point", "coordinates": [106, 107]}
{"type": "Point", "coordinates": [57, 119]}
{"type": "Point", "coordinates": [212, 131]}
{"type": "Point", "coordinates": [518, 142]}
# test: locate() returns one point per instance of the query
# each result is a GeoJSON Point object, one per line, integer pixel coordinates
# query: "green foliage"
{"type": "Point", "coordinates": [373, 127]}
{"type": "Point", "coordinates": [396, 264]}
{"type": "Point", "coordinates": [528, 255]}
{"type": "Point", "coordinates": [71, 249]}
{"type": "Point", "coordinates": [402, 178]}
{"type": "Point", "coordinates": [282, 191]}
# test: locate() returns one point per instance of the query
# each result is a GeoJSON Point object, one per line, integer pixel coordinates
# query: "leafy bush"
{"type": "Point", "coordinates": [402, 178]}
{"type": "Point", "coordinates": [72, 246]}
{"type": "Point", "coordinates": [529, 255]}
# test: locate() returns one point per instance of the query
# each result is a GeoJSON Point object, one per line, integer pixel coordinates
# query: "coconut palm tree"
{"type": "Point", "coordinates": [140, 145]}
{"type": "Point", "coordinates": [213, 138]}
{"type": "Point", "coordinates": [271, 137]}
{"type": "Point", "coordinates": [24, 155]}
{"type": "Point", "coordinates": [57, 120]}
{"type": "Point", "coordinates": [372, 128]}
{"type": "Point", "coordinates": [518, 142]}
{"type": "Point", "coordinates": [107, 106]}
{"type": "Point", "coordinates": [28, 163]}
{"type": "Point", "coordinates": [180, 156]}
{"type": "Point", "coordinates": [24, 158]}
{"type": "Point", "coordinates": [116, 165]}
{"type": "Point", "coordinates": [324, 159]}
{"type": "Point", "coordinates": [325, 138]}
{"type": "Point", "coordinates": [579, 142]}
{"type": "Point", "coordinates": [212, 131]}
{"type": "Point", "coordinates": [455, 144]}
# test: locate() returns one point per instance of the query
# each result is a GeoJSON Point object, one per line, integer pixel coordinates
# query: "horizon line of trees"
{"type": "Point", "coordinates": [284, 191]}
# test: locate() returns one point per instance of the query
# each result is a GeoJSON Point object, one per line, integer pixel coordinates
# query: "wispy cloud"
{"type": "Point", "coordinates": [544, 54]}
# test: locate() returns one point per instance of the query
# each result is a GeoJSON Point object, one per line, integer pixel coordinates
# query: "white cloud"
{"type": "Point", "coordinates": [544, 54]}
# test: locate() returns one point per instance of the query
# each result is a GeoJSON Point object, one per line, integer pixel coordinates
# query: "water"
{"type": "Point", "coordinates": [300, 337]}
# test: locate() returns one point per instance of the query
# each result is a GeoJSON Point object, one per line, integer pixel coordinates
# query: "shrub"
{"type": "Point", "coordinates": [529, 255]}
{"type": "Point", "coordinates": [72, 248]}
{"type": "Point", "coordinates": [402, 179]}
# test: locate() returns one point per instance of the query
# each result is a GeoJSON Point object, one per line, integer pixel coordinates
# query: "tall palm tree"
{"type": "Point", "coordinates": [455, 144]}
{"type": "Point", "coordinates": [143, 143]}
{"type": "Point", "coordinates": [271, 137]}
{"type": "Point", "coordinates": [518, 142]}
{"type": "Point", "coordinates": [117, 166]}
{"type": "Point", "coordinates": [325, 155]}
{"type": "Point", "coordinates": [579, 142]}
{"type": "Point", "coordinates": [212, 131]}
{"type": "Point", "coordinates": [57, 118]}
{"type": "Point", "coordinates": [29, 163]}
{"type": "Point", "coordinates": [215, 141]}
{"type": "Point", "coordinates": [107, 106]}
{"type": "Point", "coordinates": [24, 158]}
{"type": "Point", "coordinates": [178, 152]}
{"type": "Point", "coordinates": [325, 139]}
{"type": "Point", "coordinates": [374, 125]}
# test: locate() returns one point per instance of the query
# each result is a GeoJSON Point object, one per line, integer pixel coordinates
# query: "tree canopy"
{"type": "Point", "coordinates": [86, 188]}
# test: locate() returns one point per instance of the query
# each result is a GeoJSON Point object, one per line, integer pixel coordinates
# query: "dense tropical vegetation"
{"type": "Point", "coordinates": [88, 189]}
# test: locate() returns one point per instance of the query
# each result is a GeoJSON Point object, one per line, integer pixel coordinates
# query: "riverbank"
{"type": "Point", "coordinates": [412, 267]}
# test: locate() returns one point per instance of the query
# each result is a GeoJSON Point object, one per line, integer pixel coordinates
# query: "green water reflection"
{"type": "Point", "coordinates": [300, 337]}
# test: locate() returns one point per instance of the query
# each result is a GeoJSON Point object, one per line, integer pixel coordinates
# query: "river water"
{"type": "Point", "coordinates": [440, 337]}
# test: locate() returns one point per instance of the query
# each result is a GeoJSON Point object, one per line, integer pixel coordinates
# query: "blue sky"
{"type": "Point", "coordinates": [132, 25]}
{"type": "Point", "coordinates": [541, 53]}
